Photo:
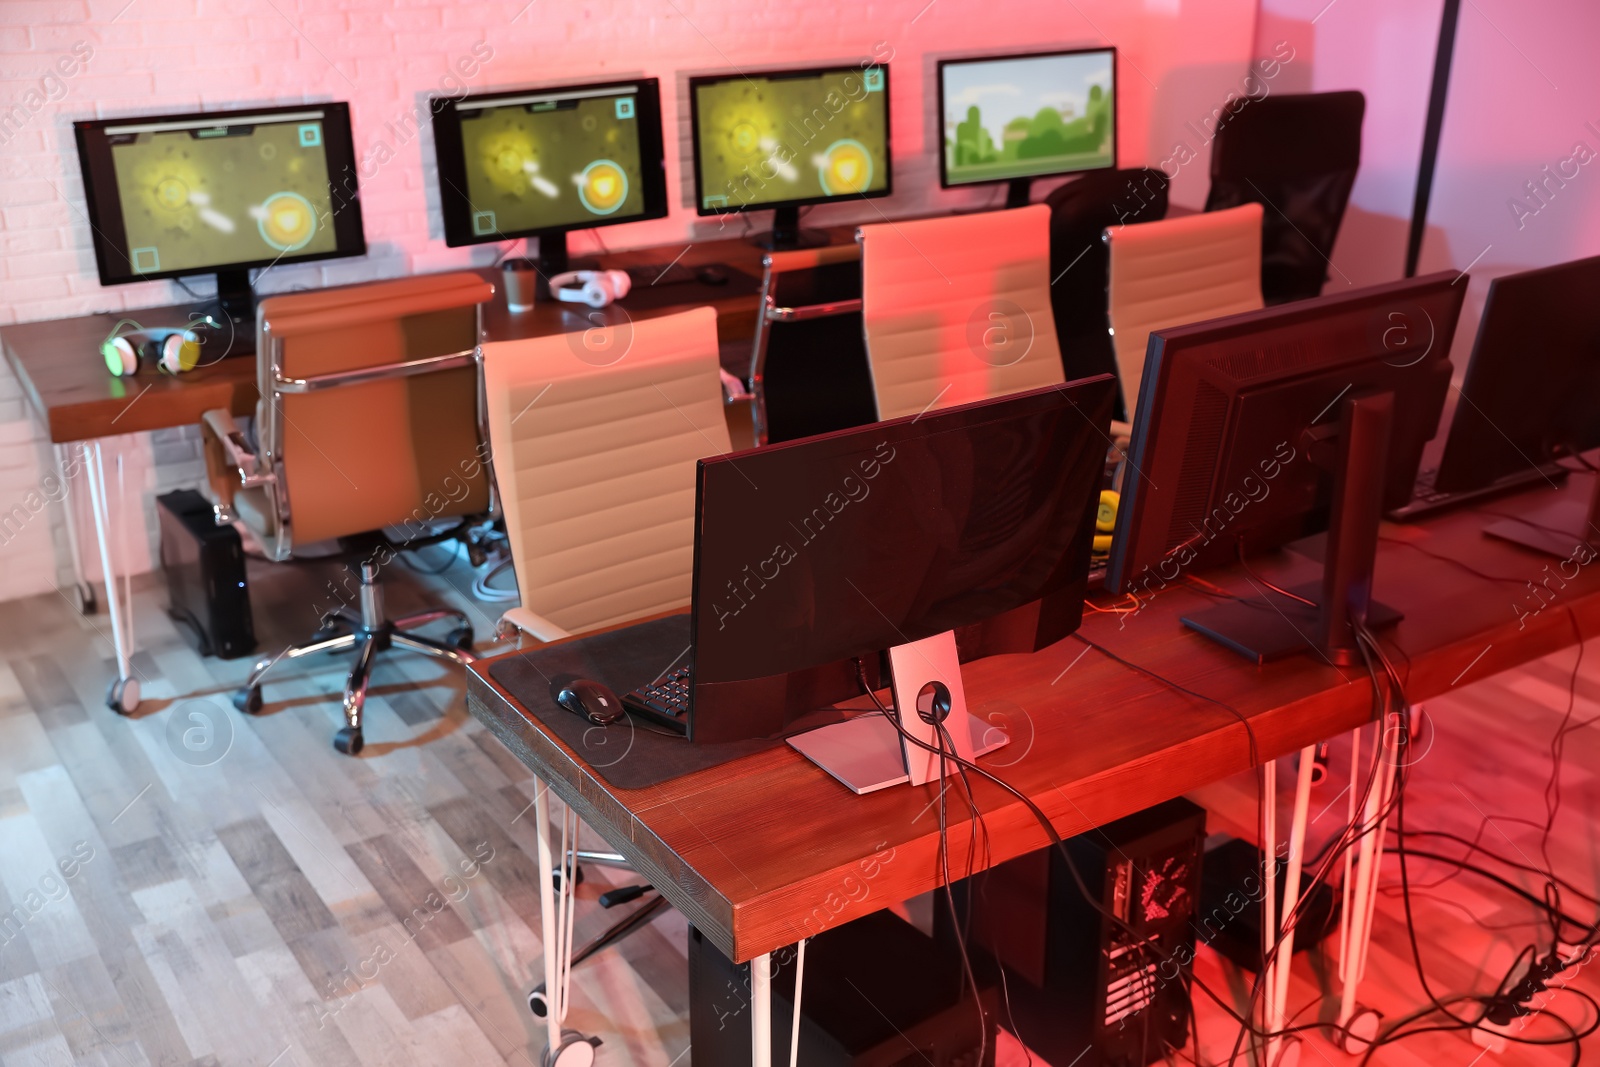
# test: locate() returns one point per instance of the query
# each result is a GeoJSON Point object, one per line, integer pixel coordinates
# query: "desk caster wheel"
{"type": "Point", "coordinates": [1288, 1053]}
{"type": "Point", "coordinates": [83, 599]}
{"type": "Point", "coordinates": [348, 740]}
{"type": "Point", "coordinates": [577, 877]}
{"type": "Point", "coordinates": [1359, 1032]}
{"type": "Point", "coordinates": [123, 696]}
{"type": "Point", "coordinates": [248, 700]}
{"type": "Point", "coordinates": [538, 1004]}
{"type": "Point", "coordinates": [461, 638]}
{"type": "Point", "coordinates": [575, 1050]}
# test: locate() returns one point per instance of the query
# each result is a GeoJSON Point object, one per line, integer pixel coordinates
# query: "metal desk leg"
{"type": "Point", "coordinates": [1285, 1051]}
{"type": "Point", "coordinates": [761, 1010]}
{"type": "Point", "coordinates": [123, 696]}
{"type": "Point", "coordinates": [557, 899]}
{"type": "Point", "coordinates": [1359, 1025]}
{"type": "Point", "coordinates": [80, 585]}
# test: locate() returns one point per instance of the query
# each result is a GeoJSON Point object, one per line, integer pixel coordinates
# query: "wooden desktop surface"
{"type": "Point", "coordinates": [65, 381]}
{"type": "Point", "coordinates": [767, 850]}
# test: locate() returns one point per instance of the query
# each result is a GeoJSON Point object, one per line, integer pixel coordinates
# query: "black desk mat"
{"type": "Point", "coordinates": [627, 754]}
{"type": "Point", "coordinates": [670, 293]}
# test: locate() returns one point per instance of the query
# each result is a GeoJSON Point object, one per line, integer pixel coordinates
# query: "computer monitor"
{"type": "Point", "coordinates": [222, 193]}
{"type": "Point", "coordinates": [1257, 429]}
{"type": "Point", "coordinates": [950, 535]}
{"type": "Point", "coordinates": [1020, 117]}
{"type": "Point", "coordinates": [1531, 396]}
{"type": "Point", "coordinates": [543, 162]}
{"type": "Point", "coordinates": [785, 139]}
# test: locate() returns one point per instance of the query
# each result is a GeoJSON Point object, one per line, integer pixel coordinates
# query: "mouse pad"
{"type": "Point", "coordinates": [668, 294]}
{"type": "Point", "coordinates": [629, 754]}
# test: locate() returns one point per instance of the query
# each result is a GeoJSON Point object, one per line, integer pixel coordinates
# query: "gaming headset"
{"type": "Point", "coordinates": [173, 350]}
{"type": "Point", "coordinates": [597, 288]}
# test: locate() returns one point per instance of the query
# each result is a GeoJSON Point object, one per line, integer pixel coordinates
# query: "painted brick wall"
{"type": "Point", "coordinates": [62, 60]}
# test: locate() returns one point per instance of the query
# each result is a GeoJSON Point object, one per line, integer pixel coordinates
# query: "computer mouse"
{"type": "Point", "coordinates": [591, 700]}
{"type": "Point", "coordinates": [711, 274]}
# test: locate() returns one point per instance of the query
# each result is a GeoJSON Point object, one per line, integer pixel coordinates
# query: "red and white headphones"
{"type": "Point", "coordinates": [597, 288]}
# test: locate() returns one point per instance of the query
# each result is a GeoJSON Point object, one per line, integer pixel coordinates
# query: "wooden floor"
{"type": "Point", "coordinates": [193, 886]}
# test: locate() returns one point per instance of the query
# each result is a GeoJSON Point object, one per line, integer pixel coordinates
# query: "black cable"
{"type": "Point", "coordinates": [1275, 588]}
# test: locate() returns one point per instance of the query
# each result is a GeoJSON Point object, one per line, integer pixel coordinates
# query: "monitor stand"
{"type": "Point", "coordinates": [1265, 630]}
{"type": "Point", "coordinates": [552, 259]}
{"type": "Point", "coordinates": [1563, 528]}
{"type": "Point", "coordinates": [867, 753]}
{"type": "Point", "coordinates": [786, 233]}
{"type": "Point", "coordinates": [1019, 193]}
{"type": "Point", "coordinates": [236, 303]}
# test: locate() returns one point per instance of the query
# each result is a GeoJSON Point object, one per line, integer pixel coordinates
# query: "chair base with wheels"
{"type": "Point", "coordinates": [367, 633]}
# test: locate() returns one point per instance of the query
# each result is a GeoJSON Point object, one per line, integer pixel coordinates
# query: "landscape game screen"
{"type": "Point", "coordinates": [780, 138]}
{"type": "Point", "coordinates": [544, 161]}
{"type": "Point", "coordinates": [1027, 116]}
{"type": "Point", "coordinates": [195, 194]}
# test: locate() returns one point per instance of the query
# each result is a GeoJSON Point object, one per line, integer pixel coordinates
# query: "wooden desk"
{"type": "Point", "coordinates": [763, 852]}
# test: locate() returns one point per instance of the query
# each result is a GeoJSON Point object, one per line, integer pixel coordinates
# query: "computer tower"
{"type": "Point", "coordinates": [877, 993]}
{"type": "Point", "coordinates": [205, 568]}
{"type": "Point", "coordinates": [1082, 989]}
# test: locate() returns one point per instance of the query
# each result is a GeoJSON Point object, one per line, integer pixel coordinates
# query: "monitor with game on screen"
{"type": "Point", "coordinates": [543, 162]}
{"type": "Point", "coordinates": [220, 193]}
{"type": "Point", "coordinates": [785, 139]}
{"type": "Point", "coordinates": [1015, 118]}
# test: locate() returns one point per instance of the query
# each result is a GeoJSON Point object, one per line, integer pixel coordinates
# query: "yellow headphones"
{"type": "Point", "coordinates": [1105, 521]}
{"type": "Point", "coordinates": [173, 350]}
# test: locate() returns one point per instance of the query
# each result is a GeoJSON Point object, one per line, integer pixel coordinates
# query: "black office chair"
{"type": "Point", "coordinates": [1297, 157]}
{"type": "Point", "coordinates": [809, 371]}
{"type": "Point", "coordinates": [1080, 211]}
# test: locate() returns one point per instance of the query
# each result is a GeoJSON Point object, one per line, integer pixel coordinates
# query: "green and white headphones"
{"type": "Point", "coordinates": [173, 350]}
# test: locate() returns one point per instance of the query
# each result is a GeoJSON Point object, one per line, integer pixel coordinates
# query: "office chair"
{"type": "Point", "coordinates": [1297, 156]}
{"type": "Point", "coordinates": [1174, 272]}
{"type": "Point", "coordinates": [808, 372]}
{"type": "Point", "coordinates": [957, 309]}
{"type": "Point", "coordinates": [596, 467]}
{"type": "Point", "coordinates": [1080, 211]}
{"type": "Point", "coordinates": [369, 436]}
{"type": "Point", "coordinates": [597, 481]}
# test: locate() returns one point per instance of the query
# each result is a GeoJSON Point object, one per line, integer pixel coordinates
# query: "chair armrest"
{"type": "Point", "coordinates": [531, 623]}
{"type": "Point", "coordinates": [230, 465]}
{"type": "Point", "coordinates": [733, 389]}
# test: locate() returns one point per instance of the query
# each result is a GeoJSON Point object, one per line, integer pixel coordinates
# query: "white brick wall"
{"type": "Point", "coordinates": [1180, 59]}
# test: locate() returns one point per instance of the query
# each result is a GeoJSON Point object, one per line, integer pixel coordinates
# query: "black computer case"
{"type": "Point", "coordinates": [205, 568]}
{"type": "Point", "coordinates": [877, 993]}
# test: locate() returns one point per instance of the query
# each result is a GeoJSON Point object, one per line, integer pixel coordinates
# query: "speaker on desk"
{"type": "Point", "coordinates": [1083, 990]}
{"type": "Point", "coordinates": [877, 992]}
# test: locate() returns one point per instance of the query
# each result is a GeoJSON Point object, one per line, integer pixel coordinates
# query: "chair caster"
{"type": "Point", "coordinates": [348, 740]}
{"type": "Point", "coordinates": [538, 1004]}
{"type": "Point", "coordinates": [577, 878]}
{"type": "Point", "coordinates": [1288, 1053]}
{"type": "Point", "coordinates": [1359, 1031]}
{"type": "Point", "coordinates": [248, 699]}
{"type": "Point", "coordinates": [461, 638]}
{"type": "Point", "coordinates": [123, 696]}
{"type": "Point", "coordinates": [575, 1050]}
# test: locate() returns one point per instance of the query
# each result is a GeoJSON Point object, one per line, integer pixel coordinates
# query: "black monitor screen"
{"type": "Point", "coordinates": [512, 164]}
{"type": "Point", "coordinates": [188, 194]}
{"type": "Point", "coordinates": [790, 137]}
{"type": "Point", "coordinates": [842, 545]}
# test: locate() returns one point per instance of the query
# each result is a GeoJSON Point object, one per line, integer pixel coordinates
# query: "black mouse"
{"type": "Point", "coordinates": [591, 700]}
{"type": "Point", "coordinates": [711, 274]}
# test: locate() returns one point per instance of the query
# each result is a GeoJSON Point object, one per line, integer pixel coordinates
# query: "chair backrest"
{"type": "Point", "coordinates": [595, 462]}
{"type": "Point", "coordinates": [369, 412]}
{"type": "Point", "coordinates": [957, 308]}
{"type": "Point", "coordinates": [809, 367]}
{"type": "Point", "coordinates": [1297, 155]}
{"type": "Point", "coordinates": [1178, 271]}
{"type": "Point", "coordinates": [1080, 211]}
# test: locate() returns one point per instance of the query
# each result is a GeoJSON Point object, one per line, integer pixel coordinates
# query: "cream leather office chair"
{"type": "Point", "coordinates": [595, 437]}
{"type": "Point", "coordinates": [370, 434]}
{"type": "Point", "coordinates": [1173, 272]}
{"type": "Point", "coordinates": [957, 309]}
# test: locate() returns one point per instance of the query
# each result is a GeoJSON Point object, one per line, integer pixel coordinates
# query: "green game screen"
{"type": "Point", "coordinates": [549, 161]}
{"type": "Point", "coordinates": [773, 139]}
{"type": "Point", "coordinates": [1019, 118]}
{"type": "Point", "coordinates": [195, 195]}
